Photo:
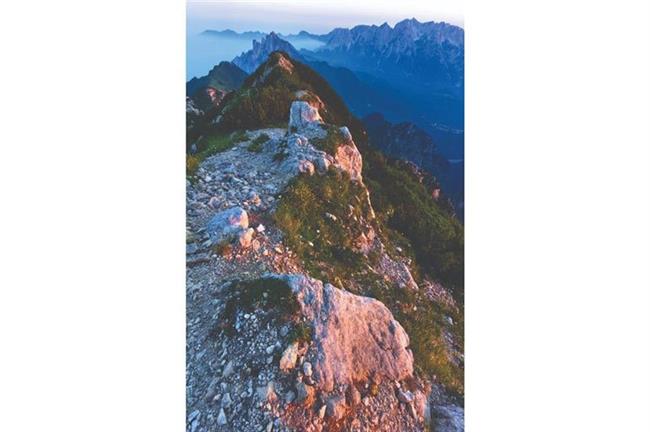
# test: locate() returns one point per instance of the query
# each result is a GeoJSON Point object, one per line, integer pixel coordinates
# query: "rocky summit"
{"type": "Point", "coordinates": [305, 310]}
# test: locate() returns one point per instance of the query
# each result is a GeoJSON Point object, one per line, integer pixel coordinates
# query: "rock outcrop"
{"type": "Point", "coordinates": [355, 338]}
{"type": "Point", "coordinates": [227, 225]}
{"type": "Point", "coordinates": [305, 126]}
{"type": "Point", "coordinates": [302, 116]}
{"type": "Point", "coordinates": [348, 157]}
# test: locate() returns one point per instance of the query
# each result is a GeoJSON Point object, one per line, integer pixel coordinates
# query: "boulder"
{"type": "Point", "coordinates": [303, 116]}
{"type": "Point", "coordinates": [365, 241]}
{"type": "Point", "coordinates": [221, 418]}
{"type": "Point", "coordinates": [354, 337]}
{"type": "Point", "coordinates": [322, 163]}
{"type": "Point", "coordinates": [289, 357]}
{"type": "Point", "coordinates": [305, 394]}
{"type": "Point", "coordinates": [336, 407]}
{"type": "Point", "coordinates": [227, 224]}
{"type": "Point", "coordinates": [353, 395]}
{"type": "Point", "coordinates": [405, 396]}
{"type": "Point", "coordinates": [297, 142]}
{"type": "Point", "coordinates": [214, 202]}
{"type": "Point", "coordinates": [306, 167]}
{"type": "Point", "coordinates": [348, 159]}
{"type": "Point", "coordinates": [306, 369]}
{"type": "Point", "coordinates": [422, 407]}
{"type": "Point", "coordinates": [228, 370]}
{"type": "Point", "coordinates": [267, 392]}
{"type": "Point", "coordinates": [246, 237]}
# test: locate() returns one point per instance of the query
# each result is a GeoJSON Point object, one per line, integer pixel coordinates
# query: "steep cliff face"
{"type": "Point", "coordinates": [305, 310]}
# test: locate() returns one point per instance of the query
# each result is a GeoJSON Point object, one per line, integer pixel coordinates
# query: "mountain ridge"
{"type": "Point", "coordinates": [324, 280]}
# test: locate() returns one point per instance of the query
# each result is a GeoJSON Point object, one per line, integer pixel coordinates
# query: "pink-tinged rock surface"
{"type": "Point", "coordinates": [355, 338]}
{"type": "Point", "coordinates": [348, 157]}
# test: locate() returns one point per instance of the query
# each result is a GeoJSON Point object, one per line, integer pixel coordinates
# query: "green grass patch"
{"type": "Point", "coordinates": [239, 136]}
{"type": "Point", "coordinates": [191, 165]}
{"type": "Point", "coordinates": [280, 156]}
{"type": "Point", "coordinates": [331, 142]}
{"type": "Point", "coordinates": [214, 144]}
{"type": "Point", "coordinates": [404, 205]}
{"type": "Point", "coordinates": [301, 333]}
{"type": "Point", "coordinates": [324, 245]}
{"type": "Point", "coordinates": [423, 321]}
{"type": "Point", "coordinates": [258, 143]}
{"type": "Point", "coordinates": [265, 293]}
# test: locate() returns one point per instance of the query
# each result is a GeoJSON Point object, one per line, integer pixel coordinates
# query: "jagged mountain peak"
{"type": "Point", "coordinates": [410, 29]}
{"type": "Point", "coordinates": [251, 60]}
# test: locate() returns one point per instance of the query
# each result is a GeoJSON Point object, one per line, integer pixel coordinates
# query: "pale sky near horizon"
{"type": "Point", "coordinates": [314, 16]}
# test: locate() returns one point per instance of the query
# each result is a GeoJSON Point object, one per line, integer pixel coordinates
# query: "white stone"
{"type": "Point", "coordinates": [289, 357]}
{"type": "Point", "coordinates": [246, 237]}
{"type": "Point", "coordinates": [221, 418]}
{"type": "Point", "coordinates": [226, 224]}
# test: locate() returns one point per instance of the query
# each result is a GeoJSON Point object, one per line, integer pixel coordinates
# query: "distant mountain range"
{"type": "Point", "coordinates": [233, 34]}
{"type": "Point", "coordinates": [300, 40]}
{"type": "Point", "coordinates": [429, 55]}
{"type": "Point", "coordinates": [425, 54]}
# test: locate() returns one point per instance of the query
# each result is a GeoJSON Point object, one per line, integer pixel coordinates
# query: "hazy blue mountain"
{"type": "Point", "coordinates": [251, 60]}
{"type": "Point", "coordinates": [424, 54]}
{"type": "Point", "coordinates": [300, 40]}
{"type": "Point", "coordinates": [207, 91]}
{"type": "Point", "coordinates": [209, 47]}
{"type": "Point", "coordinates": [233, 34]}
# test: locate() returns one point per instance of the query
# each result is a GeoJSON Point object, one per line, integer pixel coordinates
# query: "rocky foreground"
{"type": "Point", "coordinates": [272, 347]}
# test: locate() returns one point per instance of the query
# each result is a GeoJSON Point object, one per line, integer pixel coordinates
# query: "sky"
{"type": "Point", "coordinates": [314, 16]}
